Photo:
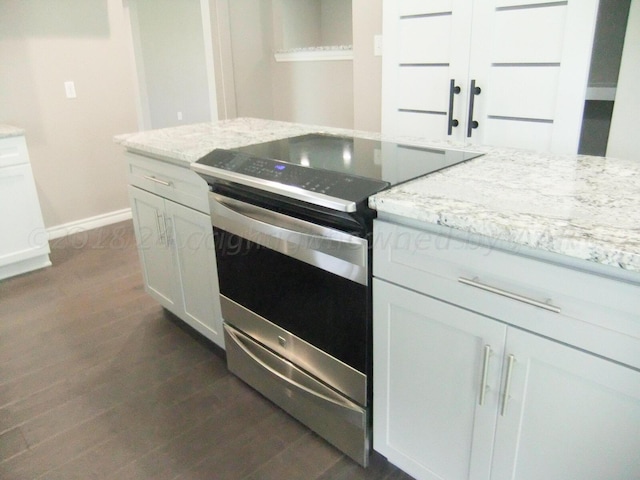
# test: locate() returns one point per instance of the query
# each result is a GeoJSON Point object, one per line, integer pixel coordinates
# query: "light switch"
{"type": "Point", "coordinates": [70, 89]}
{"type": "Point", "coordinates": [377, 45]}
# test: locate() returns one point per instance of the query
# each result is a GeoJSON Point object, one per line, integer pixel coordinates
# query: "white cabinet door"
{"type": "Point", "coordinates": [157, 255]}
{"type": "Point", "coordinates": [531, 61]}
{"type": "Point", "coordinates": [522, 67]}
{"type": "Point", "coordinates": [426, 47]}
{"type": "Point", "coordinates": [23, 235]}
{"type": "Point", "coordinates": [429, 360]}
{"type": "Point", "coordinates": [569, 415]}
{"type": "Point", "coordinates": [192, 236]}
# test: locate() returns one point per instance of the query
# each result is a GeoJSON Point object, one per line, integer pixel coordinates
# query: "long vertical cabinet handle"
{"type": "Point", "coordinates": [507, 384]}
{"type": "Point", "coordinates": [485, 373]}
{"type": "Point", "coordinates": [453, 90]}
{"type": "Point", "coordinates": [169, 234]}
{"type": "Point", "coordinates": [471, 123]}
{"type": "Point", "coordinates": [161, 233]}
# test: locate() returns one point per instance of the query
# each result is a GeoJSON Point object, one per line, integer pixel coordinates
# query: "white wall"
{"type": "Point", "coordinates": [319, 93]}
{"type": "Point", "coordinates": [79, 171]}
{"type": "Point", "coordinates": [336, 22]}
{"type": "Point", "coordinates": [298, 22]}
{"type": "Point", "coordinates": [623, 138]}
{"type": "Point", "coordinates": [328, 93]}
{"type": "Point", "coordinates": [251, 29]}
{"type": "Point", "coordinates": [171, 60]}
{"type": "Point", "coordinates": [367, 68]}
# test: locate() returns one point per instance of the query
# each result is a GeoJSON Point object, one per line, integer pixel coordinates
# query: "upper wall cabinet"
{"type": "Point", "coordinates": [497, 72]}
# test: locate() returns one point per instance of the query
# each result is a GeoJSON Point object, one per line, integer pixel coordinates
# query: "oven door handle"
{"type": "Point", "coordinates": [323, 247]}
{"type": "Point", "coordinates": [263, 361]}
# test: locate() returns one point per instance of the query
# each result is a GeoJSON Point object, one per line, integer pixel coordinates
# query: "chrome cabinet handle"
{"type": "Point", "coordinates": [514, 296]}
{"type": "Point", "coordinates": [162, 233]}
{"type": "Point", "coordinates": [473, 91]}
{"type": "Point", "coordinates": [485, 373]}
{"type": "Point", "coordinates": [507, 385]}
{"type": "Point", "coordinates": [168, 231]}
{"type": "Point", "coordinates": [157, 180]}
{"type": "Point", "coordinates": [453, 90]}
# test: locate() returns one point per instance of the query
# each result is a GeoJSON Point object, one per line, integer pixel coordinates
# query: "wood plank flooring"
{"type": "Point", "coordinates": [97, 381]}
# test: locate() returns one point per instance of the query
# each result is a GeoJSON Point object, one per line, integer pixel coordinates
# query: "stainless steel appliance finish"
{"type": "Point", "coordinates": [292, 233]}
{"type": "Point", "coordinates": [323, 392]}
{"type": "Point", "coordinates": [326, 248]}
{"type": "Point", "coordinates": [334, 417]}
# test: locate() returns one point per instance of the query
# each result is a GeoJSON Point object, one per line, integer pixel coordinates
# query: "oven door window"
{"type": "Point", "coordinates": [322, 308]}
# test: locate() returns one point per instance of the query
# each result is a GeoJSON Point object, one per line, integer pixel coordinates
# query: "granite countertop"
{"type": "Point", "coordinates": [581, 206]}
{"type": "Point", "coordinates": [184, 145]}
{"type": "Point", "coordinates": [7, 131]}
{"type": "Point", "coordinates": [584, 207]}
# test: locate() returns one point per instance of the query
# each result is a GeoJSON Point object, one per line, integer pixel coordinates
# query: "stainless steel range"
{"type": "Point", "coordinates": [293, 236]}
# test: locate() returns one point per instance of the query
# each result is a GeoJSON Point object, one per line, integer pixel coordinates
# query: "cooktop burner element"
{"type": "Point", "coordinates": [327, 170]}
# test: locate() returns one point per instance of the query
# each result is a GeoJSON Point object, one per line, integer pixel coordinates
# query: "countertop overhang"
{"type": "Point", "coordinates": [583, 207]}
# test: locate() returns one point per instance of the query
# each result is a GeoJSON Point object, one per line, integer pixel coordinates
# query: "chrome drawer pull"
{"type": "Point", "coordinates": [157, 180]}
{"type": "Point", "coordinates": [514, 296]}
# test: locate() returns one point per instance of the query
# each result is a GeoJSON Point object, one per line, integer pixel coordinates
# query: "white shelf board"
{"type": "Point", "coordinates": [313, 55]}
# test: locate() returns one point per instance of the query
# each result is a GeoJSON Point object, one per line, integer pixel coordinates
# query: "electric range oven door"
{"type": "Point", "coordinates": [294, 299]}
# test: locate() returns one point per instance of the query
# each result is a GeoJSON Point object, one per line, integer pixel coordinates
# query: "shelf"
{"type": "Point", "coordinates": [315, 54]}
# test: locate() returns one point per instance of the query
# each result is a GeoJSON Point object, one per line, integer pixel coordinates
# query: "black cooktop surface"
{"type": "Point", "coordinates": [377, 160]}
{"type": "Point", "coordinates": [326, 166]}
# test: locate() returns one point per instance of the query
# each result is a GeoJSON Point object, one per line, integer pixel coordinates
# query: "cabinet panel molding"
{"type": "Point", "coordinates": [578, 412]}
{"type": "Point", "coordinates": [424, 88]}
{"type": "Point", "coordinates": [425, 39]}
{"type": "Point", "coordinates": [523, 92]}
{"type": "Point", "coordinates": [428, 367]}
{"type": "Point", "coordinates": [515, 41]}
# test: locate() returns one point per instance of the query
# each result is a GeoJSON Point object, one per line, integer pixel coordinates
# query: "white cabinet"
{"type": "Point", "coordinates": [568, 414]}
{"type": "Point", "coordinates": [24, 243]}
{"type": "Point", "coordinates": [465, 387]}
{"type": "Point", "coordinates": [428, 362]}
{"type": "Point", "coordinates": [155, 247]}
{"type": "Point", "coordinates": [175, 242]}
{"type": "Point", "coordinates": [496, 72]}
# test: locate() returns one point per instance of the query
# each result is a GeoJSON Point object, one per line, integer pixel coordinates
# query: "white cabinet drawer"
{"type": "Point", "coordinates": [13, 151]}
{"type": "Point", "coordinates": [595, 313]}
{"type": "Point", "coordinates": [169, 181]}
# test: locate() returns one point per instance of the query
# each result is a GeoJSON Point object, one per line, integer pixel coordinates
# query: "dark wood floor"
{"type": "Point", "coordinates": [98, 381]}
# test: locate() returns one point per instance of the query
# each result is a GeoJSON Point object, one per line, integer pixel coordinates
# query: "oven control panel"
{"type": "Point", "coordinates": [325, 182]}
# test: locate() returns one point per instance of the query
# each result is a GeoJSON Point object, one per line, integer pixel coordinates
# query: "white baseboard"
{"type": "Point", "coordinates": [89, 223]}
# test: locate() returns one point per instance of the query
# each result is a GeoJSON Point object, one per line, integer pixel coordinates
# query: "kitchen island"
{"type": "Point", "coordinates": [507, 319]}
{"type": "Point", "coordinates": [512, 279]}
{"type": "Point", "coordinates": [586, 208]}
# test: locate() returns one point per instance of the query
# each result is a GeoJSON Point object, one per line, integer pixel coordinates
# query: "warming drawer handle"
{"type": "Point", "coordinates": [247, 350]}
{"type": "Point", "coordinates": [473, 282]}
{"type": "Point", "coordinates": [157, 180]}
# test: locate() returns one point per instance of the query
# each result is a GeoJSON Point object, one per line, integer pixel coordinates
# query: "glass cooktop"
{"type": "Point", "coordinates": [328, 170]}
{"type": "Point", "coordinates": [377, 160]}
